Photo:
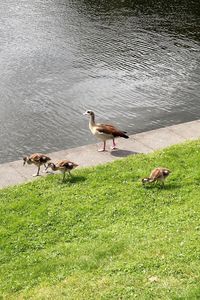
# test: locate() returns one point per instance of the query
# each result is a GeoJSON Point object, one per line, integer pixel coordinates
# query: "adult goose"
{"type": "Point", "coordinates": [104, 132]}
{"type": "Point", "coordinates": [37, 159]}
{"type": "Point", "coordinates": [158, 174]}
{"type": "Point", "coordinates": [63, 166]}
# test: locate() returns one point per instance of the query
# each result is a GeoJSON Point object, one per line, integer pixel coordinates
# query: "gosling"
{"type": "Point", "coordinates": [158, 174]}
{"type": "Point", "coordinates": [63, 166]}
{"type": "Point", "coordinates": [37, 159]}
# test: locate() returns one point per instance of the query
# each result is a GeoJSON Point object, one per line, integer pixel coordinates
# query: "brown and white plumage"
{"type": "Point", "coordinates": [104, 132]}
{"type": "Point", "coordinates": [63, 166]}
{"type": "Point", "coordinates": [158, 174]}
{"type": "Point", "coordinates": [37, 159]}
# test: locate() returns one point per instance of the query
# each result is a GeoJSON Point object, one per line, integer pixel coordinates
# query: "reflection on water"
{"type": "Point", "coordinates": [136, 65]}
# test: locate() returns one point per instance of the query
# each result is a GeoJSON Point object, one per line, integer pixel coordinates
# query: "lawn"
{"type": "Point", "coordinates": [102, 235]}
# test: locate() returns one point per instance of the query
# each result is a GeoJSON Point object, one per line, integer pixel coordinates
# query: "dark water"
{"type": "Point", "coordinates": [135, 63]}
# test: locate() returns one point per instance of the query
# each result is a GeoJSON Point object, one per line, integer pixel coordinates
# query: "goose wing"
{"type": "Point", "coordinates": [110, 129]}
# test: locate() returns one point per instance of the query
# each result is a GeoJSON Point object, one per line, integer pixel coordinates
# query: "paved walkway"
{"type": "Point", "coordinates": [14, 172]}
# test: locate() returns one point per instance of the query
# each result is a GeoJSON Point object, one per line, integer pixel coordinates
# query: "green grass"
{"type": "Point", "coordinates": [102, 235]}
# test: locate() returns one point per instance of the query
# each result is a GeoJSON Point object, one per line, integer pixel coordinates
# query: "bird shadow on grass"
{"type": "Point", "coordinates": [166, 187]}
{"type": "Point", "coordinates": [74, 179]}
{"type": "Point", "coordinates": [172, 186]}
{"type": "Point", "coordinates": [122, 153]}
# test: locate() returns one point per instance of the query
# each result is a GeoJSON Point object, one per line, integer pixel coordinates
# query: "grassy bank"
{"type": "Point", "coordinates": [101, 235]}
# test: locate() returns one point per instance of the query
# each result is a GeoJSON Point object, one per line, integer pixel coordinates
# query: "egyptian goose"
{"type": "Point", "coordinates": [104, 132]}
{"type": "Point", "coordinates": [37, 159]}
{"type": "Point", "coordinates": [158, 174]}
{"type": "Point", "coordinates": [63, 166]}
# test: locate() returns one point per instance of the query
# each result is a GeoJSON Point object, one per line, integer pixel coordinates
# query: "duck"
{"type": "Point", "coordinates": [157, 174]}
{"type": "Point", "coordinates": [63, 166]}
{"type": "Point", "coordinates": [37, 159]}
{"type": "Point", "coordinates": [104, 132]}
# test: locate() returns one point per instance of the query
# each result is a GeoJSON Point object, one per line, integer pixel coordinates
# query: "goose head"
{"type": "Point", "coordinates": [89, 113]}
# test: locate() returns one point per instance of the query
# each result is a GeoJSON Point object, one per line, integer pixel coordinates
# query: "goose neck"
{"type": "Point", "coordinates": [92, 120]}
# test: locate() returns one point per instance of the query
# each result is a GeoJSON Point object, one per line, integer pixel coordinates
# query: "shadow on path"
{"type": "Point", "coordinates": [122, 153]}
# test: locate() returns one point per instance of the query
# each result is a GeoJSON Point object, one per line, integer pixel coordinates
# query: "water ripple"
{"type": "Point", "coordinates": [137, 67]}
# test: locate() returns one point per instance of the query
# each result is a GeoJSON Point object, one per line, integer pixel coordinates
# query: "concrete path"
{"type": "Point", "coordinates": [14, 172]}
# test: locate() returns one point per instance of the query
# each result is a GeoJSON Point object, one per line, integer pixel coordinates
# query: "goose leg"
{"type": "Point", "coordinates": [104, 147]}
{"type": "Point", "coordinates": [38, 172]}
{"type": "Point", "coordinates": [114, 145]}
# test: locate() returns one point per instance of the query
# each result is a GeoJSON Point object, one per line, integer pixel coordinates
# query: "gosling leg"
{"type": "Point", "coordinates": [38, 172]}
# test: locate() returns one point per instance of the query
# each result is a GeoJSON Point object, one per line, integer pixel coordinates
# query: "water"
{"type": "Point", "coordinates": [135, 63]}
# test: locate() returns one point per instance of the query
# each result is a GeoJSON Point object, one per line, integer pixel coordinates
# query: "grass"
{"type": "Point", "coordinates": [101, 235]}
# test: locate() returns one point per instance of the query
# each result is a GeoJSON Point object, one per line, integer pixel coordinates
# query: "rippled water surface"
{"type": "Point", "coordinates": [136, 65]}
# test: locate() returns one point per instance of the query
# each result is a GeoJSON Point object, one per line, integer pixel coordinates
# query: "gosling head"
{"type": "Point", "coordinates": [50, 165]}
{"type": "Point", "coordinates": [26, 160]}
{"type": "Point", "coordinates": [145, 180]}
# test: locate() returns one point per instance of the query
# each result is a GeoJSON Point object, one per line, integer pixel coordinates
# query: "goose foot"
{"type": "Point", "coordinates": [113, 148]}
{"type": "Point", "coordinates": [101, 150]}
{"type": "Point", "coordinates": [113, 145]}
{"type": "Point", "coordinates": [35, 175]}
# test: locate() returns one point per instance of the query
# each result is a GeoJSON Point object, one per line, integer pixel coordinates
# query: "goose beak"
{"type": "Point", "coordinates": [85, 113]}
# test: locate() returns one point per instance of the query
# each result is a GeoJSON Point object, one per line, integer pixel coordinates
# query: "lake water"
{"type": "Point", "coordinates": [135, 63]}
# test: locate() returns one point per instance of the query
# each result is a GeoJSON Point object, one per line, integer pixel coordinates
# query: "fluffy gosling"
{"type": "Point", "coordinates": [37, 159]}
{"type": "Point", "coordinates": [158, 174]}
{"type": "Point", "coordinates": [63, 166]}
